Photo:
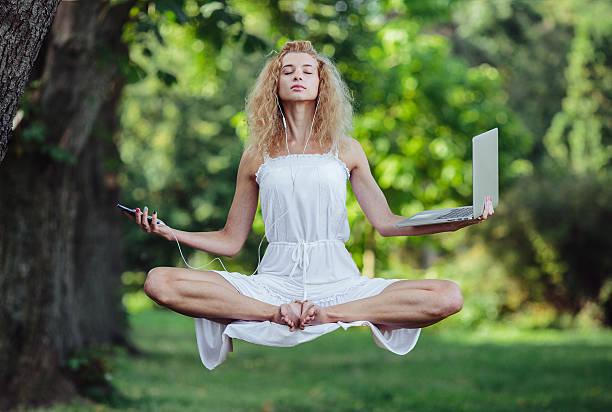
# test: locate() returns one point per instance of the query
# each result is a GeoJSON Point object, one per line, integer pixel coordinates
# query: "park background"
{"type": "Point", "coordinates": [142, 102]}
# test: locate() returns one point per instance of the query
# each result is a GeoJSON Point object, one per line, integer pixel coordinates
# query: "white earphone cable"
{"type": "Point", "coordinates": [183, 257]}
{"type": "Point", "coordinates": [285, 126]}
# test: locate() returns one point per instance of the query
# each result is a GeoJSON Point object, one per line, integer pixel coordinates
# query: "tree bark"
{"type": "Point", "coordinates": [60, 256]}
{"type": "Point", "coordinates": [23, 25]}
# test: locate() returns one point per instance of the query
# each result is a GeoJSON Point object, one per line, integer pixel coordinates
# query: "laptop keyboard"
{"type": "Point", "coordinates": [466, 211]}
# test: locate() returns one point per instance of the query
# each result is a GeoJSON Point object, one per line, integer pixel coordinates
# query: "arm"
{"type": "Point", "coordinates": [374, 204]}
{"type": "Point", "coordinates": [229, 240]}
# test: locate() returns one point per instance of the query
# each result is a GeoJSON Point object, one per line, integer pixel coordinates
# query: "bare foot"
{"type": "Point", "coordinates": [289, 314]}
{"type": "Point", "coordinates": [312, 315]}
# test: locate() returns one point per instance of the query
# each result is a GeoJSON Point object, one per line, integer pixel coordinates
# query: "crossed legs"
{"type": "Point", "coordinates": [206, 294]}
{"type": "Point", "coordinates": [403, 304]}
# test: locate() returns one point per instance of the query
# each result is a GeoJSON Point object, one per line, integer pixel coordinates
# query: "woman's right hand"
{"type": "Point", "coordinates": [160, 229]}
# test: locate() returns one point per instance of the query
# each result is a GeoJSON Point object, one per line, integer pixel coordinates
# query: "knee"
{"type": "Point", "coordinates": [450, 298]}
{"type": "Point", "coordinates": [157, 284]}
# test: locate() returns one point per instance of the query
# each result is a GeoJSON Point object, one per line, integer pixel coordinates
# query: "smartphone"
{"type": "Point", "coordinates": [133, 213]}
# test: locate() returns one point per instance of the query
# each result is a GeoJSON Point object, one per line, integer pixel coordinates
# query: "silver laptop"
{"type": "Point", "coordinates": [485, 183]}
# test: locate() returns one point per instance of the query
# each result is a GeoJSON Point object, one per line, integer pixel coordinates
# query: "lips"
{"type": "Point", "coordinates": [298, 87]}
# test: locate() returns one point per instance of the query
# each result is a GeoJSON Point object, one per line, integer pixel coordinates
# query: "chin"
{"type": "Point", "coordinates": [299, 98]}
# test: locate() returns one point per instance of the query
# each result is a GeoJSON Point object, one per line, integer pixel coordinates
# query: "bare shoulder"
{"type": "Point", "coordinates": [250, 162]}
{"type": "Point", "coordinates": [353, 155]}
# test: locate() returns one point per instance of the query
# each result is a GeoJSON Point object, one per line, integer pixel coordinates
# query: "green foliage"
{"type": "Point", "coordinates": [527, 42]}
{"type": "Point", "coordinates": [556, 65]}
{"type": "Point", "coordinates": [580, 136]}
{"type": "Point", "coordinates": [90, 370]}
{"type": "Point", "coordinates": [551, 235]}
{"type": "Point", "coordinates": [33, 139]}
{"type": "Point", "coordinates": [58, 154]}
{"type": "Point", "coordinates": [555, 61]}
{"type": "Point", "coordinates": [130, 71]}
{"type": "Point", "coordinates": [31, 135]}
{"type": "Point", "coordinates": [35, 132]}
{"type": "Point", "coordinates": [179, 141]}
{"type": "Point", "coordinates": [134, 299]}
{"type": "Point", "coordinates": [423, 107]}
{"type": "Point", "coordinates": [216, 22]}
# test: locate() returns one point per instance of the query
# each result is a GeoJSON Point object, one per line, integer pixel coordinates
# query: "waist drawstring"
{"type": "Point", "coordinates": [301, 257]}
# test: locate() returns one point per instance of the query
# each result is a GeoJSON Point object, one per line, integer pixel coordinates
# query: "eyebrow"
{"type": "Point", "coordinates": [292, 65]}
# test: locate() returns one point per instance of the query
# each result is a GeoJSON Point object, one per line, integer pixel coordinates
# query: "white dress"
{"type": "Point", "coordinates": [303, 203]}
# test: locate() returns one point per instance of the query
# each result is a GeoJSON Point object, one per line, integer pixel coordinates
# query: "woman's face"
{"type": "Point", "coordinates": [299, 77]}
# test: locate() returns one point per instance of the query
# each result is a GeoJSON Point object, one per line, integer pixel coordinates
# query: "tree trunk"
{"type": "Point", "coordinates": [23, 25]}
{"type": "Point", "coordinates": [60, 256]}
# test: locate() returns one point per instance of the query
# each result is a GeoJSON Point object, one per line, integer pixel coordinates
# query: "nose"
{"type": "Point", "coordinates": [297, 75]}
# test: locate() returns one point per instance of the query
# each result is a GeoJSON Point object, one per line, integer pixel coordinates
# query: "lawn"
{"type": "Point", "coordinates": [449, 370]}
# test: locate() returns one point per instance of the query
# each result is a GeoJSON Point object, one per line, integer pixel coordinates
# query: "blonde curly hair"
{"type": "Point", "coordinates": [334, 113]}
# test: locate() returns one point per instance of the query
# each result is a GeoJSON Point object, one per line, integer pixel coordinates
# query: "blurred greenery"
{"type": "Point", "coordinates": [426, 77]}
{"type": "Point", "coordinates": [505, 369]}
{"type": "Point", "coordinates": [552, 233]}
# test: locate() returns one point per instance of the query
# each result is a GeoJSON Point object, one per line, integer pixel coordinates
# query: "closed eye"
{"type": "Point", "coordinates": [290, 69]}
{"type": "Point", "coordinates": [293, 71]}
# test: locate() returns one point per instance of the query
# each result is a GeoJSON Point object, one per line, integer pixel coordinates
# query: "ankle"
{"type": "Point", "coordinates": [271, 314]}
{"type": "Point", "coordinates": [332, 315]}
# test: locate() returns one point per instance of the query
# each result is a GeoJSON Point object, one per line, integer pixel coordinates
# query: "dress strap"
{"type": "Point", "coordinates": [334, 150]}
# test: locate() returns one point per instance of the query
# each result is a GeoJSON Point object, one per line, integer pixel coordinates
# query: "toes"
{"type": "Point", "coordinates": [290, 315]}
{"type": "Point", "coordinates": [308, 314]}
{"type": "Point", "coordinates": [285, 316]}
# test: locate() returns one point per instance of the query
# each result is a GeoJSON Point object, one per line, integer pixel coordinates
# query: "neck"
{"type": "Point", "coordinates": [299, 116]}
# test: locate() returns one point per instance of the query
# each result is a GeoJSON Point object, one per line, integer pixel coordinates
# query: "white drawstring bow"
{"type": "Point", "coordinates": [300, 257]}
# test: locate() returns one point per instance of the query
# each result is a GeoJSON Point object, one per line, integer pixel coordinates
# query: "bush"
{"type": "Point", "coordinates": [553, 235]}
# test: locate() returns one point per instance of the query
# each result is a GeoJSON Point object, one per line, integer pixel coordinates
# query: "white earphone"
{"type": "Point", "coordinates": [285, 125]}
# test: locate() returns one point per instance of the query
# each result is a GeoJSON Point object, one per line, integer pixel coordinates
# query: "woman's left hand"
{"type": "Point", "coordinates": [488, 211]}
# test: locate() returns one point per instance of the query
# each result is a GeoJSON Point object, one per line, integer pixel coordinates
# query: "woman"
{"type": "Point", "coordinates": [299, 116]}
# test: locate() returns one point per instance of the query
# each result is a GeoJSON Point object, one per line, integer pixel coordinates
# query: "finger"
{"type": "Point", "coordinates": [309, 315]}
{"type": "Point", "coordinates": [307, 306]}
{"type": "Point", "coordinates": [485, 211]}
{"type": "Point", "coordinates": [154, 222]}
{"type": "Point", "coordinates": [138, 216]}
{"type": "Point", "coordinates": [145, 222]}
{"type": "Point", "coordinates": [489, 206]}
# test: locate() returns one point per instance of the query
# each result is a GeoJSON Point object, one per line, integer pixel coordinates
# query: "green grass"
{"type": "Point", "coordinates": [449, 370]}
